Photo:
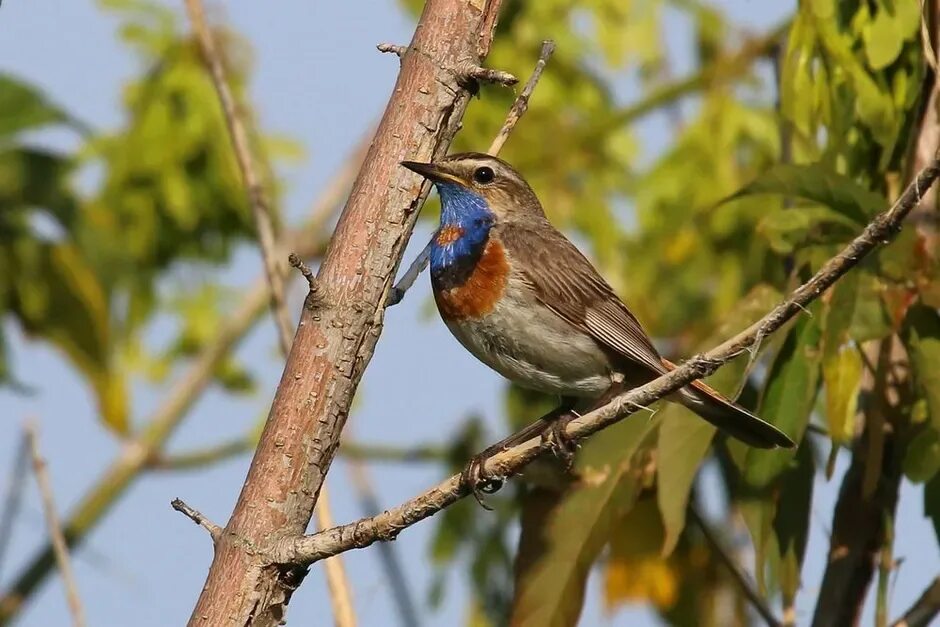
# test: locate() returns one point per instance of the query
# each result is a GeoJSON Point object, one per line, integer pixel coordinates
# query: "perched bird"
{"type": "Point", "coordinates": [519, 296]}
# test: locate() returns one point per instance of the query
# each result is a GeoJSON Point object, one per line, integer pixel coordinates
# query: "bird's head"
{"type": "Point", "coordinates": [473, 184]}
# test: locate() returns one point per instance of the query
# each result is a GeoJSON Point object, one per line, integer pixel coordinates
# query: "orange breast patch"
{"type": "Point", "coordinates": [449, 234]}
{"type": "Point", "coordinates": [481, 291]}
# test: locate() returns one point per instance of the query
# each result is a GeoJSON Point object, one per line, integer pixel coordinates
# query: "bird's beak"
{"type": "Point", "coordinates": [431, 171]}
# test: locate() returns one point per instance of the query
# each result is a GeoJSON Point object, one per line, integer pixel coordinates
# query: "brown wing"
{"type": "Point", "coordinates": [565, 281]}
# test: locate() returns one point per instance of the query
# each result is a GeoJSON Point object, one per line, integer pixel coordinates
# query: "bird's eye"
{"type": "Point", "coordinates": [483, 174]}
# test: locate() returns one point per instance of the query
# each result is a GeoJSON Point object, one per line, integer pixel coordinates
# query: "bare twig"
{"type": "Point", "coordinates": [55, 527]}
{"type": "Point", "coordinates": [196, 516]}
{"type": "Point", "coordinates": [924, 610]}
{"type": "Point", "coordinates": [14, 495]}
{"type": "Point", "coordinates": [390, 523]}
{"type": "Point", "coordinates": [521, 104]}
{"type": "Point", "coordinates": [340, 591]}
{"type": "Point", "coordinates": [467, 70]}
{"type": "Point", "coordinates": [740, 577]}
{"type": "Point", "coordinates": [395, 49]}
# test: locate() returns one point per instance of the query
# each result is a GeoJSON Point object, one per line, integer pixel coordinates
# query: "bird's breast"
{"type": "Point", "coordinates": [481, 287]}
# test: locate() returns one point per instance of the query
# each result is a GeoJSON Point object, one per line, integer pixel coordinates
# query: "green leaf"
{"type": "Point", "coordinates": [922, 337]}
{"type": "Point", "coordinates": [58, 297]}
{"type": "Point", "coordinates": [564, 531]}
{"type": "Point", "coordinates": [789, 396]}
{"type": "Point", "coordinates": [819, 184]}
{"type": "Point", "coordinates": [684, 438]}
{"type": "Point", "coordinates": [792, 518]}
{"type": "Point", "coordinates": [23, 107]}
{"type": "Point", "coordinates": [842, 374]}
{"type": "Point", "coordinates": [922, 458]}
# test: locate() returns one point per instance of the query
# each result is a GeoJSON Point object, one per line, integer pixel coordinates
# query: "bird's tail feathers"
{"type": "Point", "coordinates": [729, 416]}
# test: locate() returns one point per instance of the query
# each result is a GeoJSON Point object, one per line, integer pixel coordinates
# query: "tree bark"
{"type": "Point", "coordinates": [342, 318]}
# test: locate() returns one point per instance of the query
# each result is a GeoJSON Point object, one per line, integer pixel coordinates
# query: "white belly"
{"type": "Point", "coordinates": [536, 349]}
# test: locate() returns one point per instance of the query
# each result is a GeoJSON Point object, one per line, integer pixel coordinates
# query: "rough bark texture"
{"type": "Point", "coordinates": [342, 319]}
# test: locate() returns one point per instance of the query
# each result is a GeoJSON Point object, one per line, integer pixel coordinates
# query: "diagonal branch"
{"type": "Point", "coordinates": [925, 608]}
{"type": "Point", "coordinates": [744, 583]}
{"type": "Point", "coordinates": [257, 199]}
{"type": "Point", "coordinates": [338, 582]}
{"type": "Point", "coordinates": [55, 526]}
{"type": "Point", "coordinates": [386, 526]}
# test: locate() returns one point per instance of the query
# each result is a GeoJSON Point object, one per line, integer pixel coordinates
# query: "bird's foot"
{"type": "Point", "coordinates": [478, 480]}
{"type": "Point", "coordinates": [558, 442]}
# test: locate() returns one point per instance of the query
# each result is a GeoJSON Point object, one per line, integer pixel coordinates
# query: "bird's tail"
{"type": "Point", "coordinates": [729, 416]}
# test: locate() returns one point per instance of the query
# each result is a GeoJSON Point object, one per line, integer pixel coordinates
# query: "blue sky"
{"type": "Point", "coordinates": [319, 79]}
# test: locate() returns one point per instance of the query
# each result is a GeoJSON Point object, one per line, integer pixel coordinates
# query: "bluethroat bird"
{"type": "Point", "coordinates": [519, 296]}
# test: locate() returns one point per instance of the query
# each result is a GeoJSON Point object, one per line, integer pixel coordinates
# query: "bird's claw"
{"type": "Point", "coordinates": [557, 441]}
{"type": "Point", "coordinates": [476, 478]}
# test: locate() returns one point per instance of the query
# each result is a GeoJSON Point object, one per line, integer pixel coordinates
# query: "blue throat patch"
{"type": "Point", "coordinates": [466, 221]}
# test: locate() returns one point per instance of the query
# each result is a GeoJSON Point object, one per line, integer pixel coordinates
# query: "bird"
{"type": "Point", "coordinates": [521, 297]}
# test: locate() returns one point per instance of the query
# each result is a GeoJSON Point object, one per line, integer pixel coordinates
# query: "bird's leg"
{"type": "Point", "coordinates": [411, 274]}
{"type": "Point", "coordinates": [475, 475]}
{"type": "Point", "coordinates": [555, 437]}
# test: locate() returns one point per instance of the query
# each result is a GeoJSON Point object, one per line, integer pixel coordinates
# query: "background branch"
{"type": "Point", "coordinates": [389, 524]}
{"type": "Point", "coordinates": [924, 610]}
{"type": "Point", "coordinates": [740, 578]}
{"type": "Point", "coordinates": [55, 527]}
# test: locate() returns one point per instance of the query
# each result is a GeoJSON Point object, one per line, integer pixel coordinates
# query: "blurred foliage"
{"type": "Point", "coordinates": [88, 238]}
{"type": "Point", "coordinates": [772, 153]}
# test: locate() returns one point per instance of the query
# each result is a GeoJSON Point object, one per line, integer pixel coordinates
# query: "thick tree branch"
{"type": "Point", "coordinates": [390, 523]}
{"type": "Point", "coordinates": [54, 526]}
{"type": "Point", "coordinates": [336, 335]}
{"type": "Point", "coordinates": [340, 590]}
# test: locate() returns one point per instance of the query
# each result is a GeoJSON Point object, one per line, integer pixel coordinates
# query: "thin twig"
{"type": "Point", "coordinates": [215, 531]}
{"type": "Point", "coordinates": [55, 527]}
{"type": "Point", "coordinates": [740, 577]}
{"type": "Point", "coordinates": [14, 497]}
{"type": "Point", "coordinates": [521, 104]}
{"type": "Point", "coordinates": [924, 610]}
{"type": "Point", "coordinates": [390, 523]}
{"type": "Point", "coordinates": [340, 593]}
